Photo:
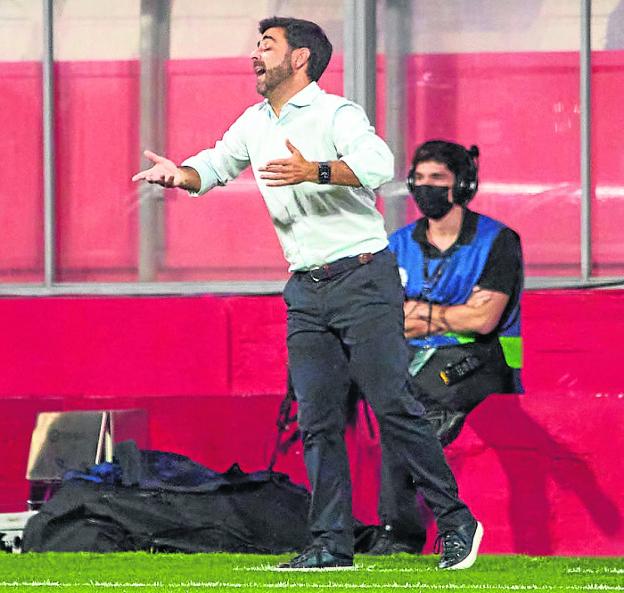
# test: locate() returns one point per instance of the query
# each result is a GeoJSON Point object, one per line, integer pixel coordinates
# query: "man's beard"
{"type": "Point", "coordinates": [274, 77]}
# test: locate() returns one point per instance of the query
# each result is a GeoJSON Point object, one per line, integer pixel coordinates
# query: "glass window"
{"type": "Point", "coordinates": [21, 154]}
{"type": "Point", "coordinates": [607, 138]}
{"type": "Point", "coordinates": [501, 74]}
{"type": "Point", "coordinates": [97, 131]}
{"type": "Point", "coordinates": [504, 75]}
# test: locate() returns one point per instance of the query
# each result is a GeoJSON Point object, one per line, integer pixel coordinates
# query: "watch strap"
{"type": "Point", "coordinates": [324, 172]}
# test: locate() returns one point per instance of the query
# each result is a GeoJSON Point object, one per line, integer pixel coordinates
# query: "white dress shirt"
{"type": "Point", "coordinates": [316, 224]}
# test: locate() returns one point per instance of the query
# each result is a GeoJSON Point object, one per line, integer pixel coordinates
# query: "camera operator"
{"type": "Point", "coordinates": [463, 276]}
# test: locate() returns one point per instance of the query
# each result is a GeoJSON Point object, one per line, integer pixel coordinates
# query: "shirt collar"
{"type": "Point", "coordinates": [304, 97]}
{"type": "Point", "coordinates": [466, 234]}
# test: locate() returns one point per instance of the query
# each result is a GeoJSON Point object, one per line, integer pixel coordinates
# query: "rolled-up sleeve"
{"type": "Point", "coordinates": [366, 154]}
{"type": "Point", "coordinates": [218, 165]}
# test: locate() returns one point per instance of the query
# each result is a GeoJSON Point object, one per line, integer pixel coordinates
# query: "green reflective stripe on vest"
{"type": "Point", "coordinates": [512, 349]}
{"type": "Point", "coordinates": [461, 338]}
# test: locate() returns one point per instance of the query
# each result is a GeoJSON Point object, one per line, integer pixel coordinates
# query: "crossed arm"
{"type": "Point", "coordinates": [480, 314]}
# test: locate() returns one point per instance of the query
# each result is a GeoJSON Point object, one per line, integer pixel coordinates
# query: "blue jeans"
{"type": "Point", "coordinates": [349, 327]}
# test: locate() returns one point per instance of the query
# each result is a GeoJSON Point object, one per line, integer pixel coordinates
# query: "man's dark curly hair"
{"type": "Point", "coordinates": [300, 33]}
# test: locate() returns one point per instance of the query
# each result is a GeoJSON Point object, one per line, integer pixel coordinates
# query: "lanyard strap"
{"type": "Point", "coordinates": [431, 281]}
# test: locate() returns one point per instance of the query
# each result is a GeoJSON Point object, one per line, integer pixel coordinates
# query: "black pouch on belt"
{"type": "Point", "coordinates": [459, 377]}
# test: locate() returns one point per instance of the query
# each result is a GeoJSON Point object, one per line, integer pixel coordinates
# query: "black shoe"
{"type": "Point", "coordinates": [318, 557]}
{"type": "Point", "coordinates": [459, 546]}
{"type": "Point", "coordinates": [387, 544]}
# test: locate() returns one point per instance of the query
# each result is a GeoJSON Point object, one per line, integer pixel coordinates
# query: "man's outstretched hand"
{"type": "Point", "coordinates": [164, 172]}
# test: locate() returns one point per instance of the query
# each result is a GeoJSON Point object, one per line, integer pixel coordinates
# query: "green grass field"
{"type": "Point", "coordinates": [236, 572]}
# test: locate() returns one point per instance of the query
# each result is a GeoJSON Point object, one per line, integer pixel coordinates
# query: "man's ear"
{"type": "Point", "coordinates": [300, 57]}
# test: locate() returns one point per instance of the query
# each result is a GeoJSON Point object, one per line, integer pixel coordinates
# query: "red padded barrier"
{"type": "Point", "coordinates": [72, 346]}
{"type": "Point", "coordinates": [258, 343]}
{"type": "Point", "coordinates": [17, 421]}
{"type": "Point", "coordinates": [537, 469]}
{"type": "Point", "coordinates": [573, 344]}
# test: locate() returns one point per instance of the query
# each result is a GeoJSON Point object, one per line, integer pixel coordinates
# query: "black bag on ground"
{"type": "Point", "coordinates": [191, 510]}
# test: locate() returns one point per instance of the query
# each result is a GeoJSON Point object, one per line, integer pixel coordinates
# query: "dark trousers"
{"type": "Point", "coordinates": [399, 506]}
{"type": "Point", "coordinates": [350, 327]}
{"type": "Point", "coordinates": [446, 408]}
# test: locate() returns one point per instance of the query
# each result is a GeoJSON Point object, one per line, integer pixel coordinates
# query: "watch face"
{"type": "Point", "coordinates": [324, 174]}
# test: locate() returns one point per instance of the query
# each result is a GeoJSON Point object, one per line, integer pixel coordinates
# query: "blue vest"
{"type": "Point", "coordinates": [461, 269]}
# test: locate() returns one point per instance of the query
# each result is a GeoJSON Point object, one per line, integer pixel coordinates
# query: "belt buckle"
{"type": "Point", "coordinates": [322, 270]}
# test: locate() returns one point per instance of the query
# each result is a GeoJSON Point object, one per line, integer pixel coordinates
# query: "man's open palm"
{"type": "Point", "coordinates": [164, 172]}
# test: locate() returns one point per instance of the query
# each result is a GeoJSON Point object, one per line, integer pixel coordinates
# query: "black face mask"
{"type": "Point", "coordinates": [432, 200]}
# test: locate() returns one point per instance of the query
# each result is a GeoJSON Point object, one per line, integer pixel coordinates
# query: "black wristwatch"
{"type": "Point", "coordinates": [324, 173]}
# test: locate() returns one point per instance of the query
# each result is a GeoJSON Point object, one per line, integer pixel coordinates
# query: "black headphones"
{"type": "Point", "coordinates": [466, 182]}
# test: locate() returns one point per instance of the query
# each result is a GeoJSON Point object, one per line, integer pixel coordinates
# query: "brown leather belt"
{"type": "Point", "coordinates": [344, 264]}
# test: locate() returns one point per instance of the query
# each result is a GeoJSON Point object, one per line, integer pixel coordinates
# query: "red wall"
{"type": "Point", "coordinates": [540, 470]}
